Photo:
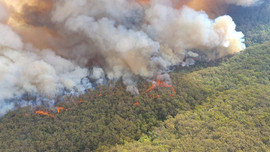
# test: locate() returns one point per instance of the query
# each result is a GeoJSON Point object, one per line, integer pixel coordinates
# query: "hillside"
{"type": "Point", "coordinates": [253, 22]}
{"type": "Point", "coordinates": [234, 117]}
{"type": "Point", "coordinates": [225, 107]}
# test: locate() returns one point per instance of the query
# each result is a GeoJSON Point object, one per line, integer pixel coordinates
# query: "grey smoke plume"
{"type": "Point", "coordinates": [241, 2]}
{"type": "Point", "coordinates": [49, 47]}
{"type": "Point", "coordinates": [33, 72]}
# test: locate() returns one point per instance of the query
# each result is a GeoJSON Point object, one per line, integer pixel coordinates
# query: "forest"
{"type": "Point", "coordinates": [222, 105]}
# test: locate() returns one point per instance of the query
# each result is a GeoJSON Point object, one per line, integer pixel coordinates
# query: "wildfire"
{"type": "Point", "coordinates": [80, 101]}
{"type": "Point", "coordinates": [60, 108]}
{"type": "Point", "coordinates": [154, 97]}
{"type": "Point", "coordinates": [136, 104]}
{"type": "Point", "coordinates": [159, 83]}
{"type": "Point", "coordinates": [40, 112]}
{"type": "Point", "coordinates": [91, 98]}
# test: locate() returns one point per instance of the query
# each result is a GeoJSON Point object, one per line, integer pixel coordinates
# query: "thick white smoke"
{"type": "Point", "coordinates": [187, 29]}
{"type": "Point", "coordinates": [102, 40]}
{"type": "Point", "coordinates": [25, 70]}
{"type": "Point", "coordinates": [132, 38]}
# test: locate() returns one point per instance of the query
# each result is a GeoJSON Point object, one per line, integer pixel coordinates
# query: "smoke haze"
{"type": "Point", "coordinates": [51, 48]}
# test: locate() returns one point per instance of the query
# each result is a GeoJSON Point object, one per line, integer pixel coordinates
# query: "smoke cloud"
{"type": "Point", "coordinates": [50, 48]}
{"type": "Point", "coordinates": [241, 2]}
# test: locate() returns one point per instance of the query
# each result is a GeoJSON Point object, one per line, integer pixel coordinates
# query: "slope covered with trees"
{"type": "Point", "coordinates": [234, 117]}
{"type": "Point", "coordinates": [224, 107]}
{"type": "Point", "coordinates": [253, 22]}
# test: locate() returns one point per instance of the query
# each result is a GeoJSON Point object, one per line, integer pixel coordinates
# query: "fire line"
{"type": "Point", "coordinates": [40, 112]}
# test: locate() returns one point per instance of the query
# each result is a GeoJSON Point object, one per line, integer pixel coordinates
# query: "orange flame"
{"type": "Point", "coordinates": [161, 84]}
{"type": "Point", "coordinates": [155, 97]}
{"type": "Point", "coordinates": [40, 112]}
{"type": "Point", "coordinates": [60, 108]}
{"type": "Point", "coordinates": [136, 104]}
{"type": "Point", "coordinates": [100, 95]}
{"type": "Point", "coordinates": [80, 101]}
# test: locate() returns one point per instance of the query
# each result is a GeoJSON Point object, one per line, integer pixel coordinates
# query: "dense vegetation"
{"type": "Point", "coordinates": [253, 22]}
{"type": "Point", "coordinates": [234, 117]}
{"type": "Point", "coordinates": [108, 116]}
{"type": "Point", "coordinates": [218, 106]}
